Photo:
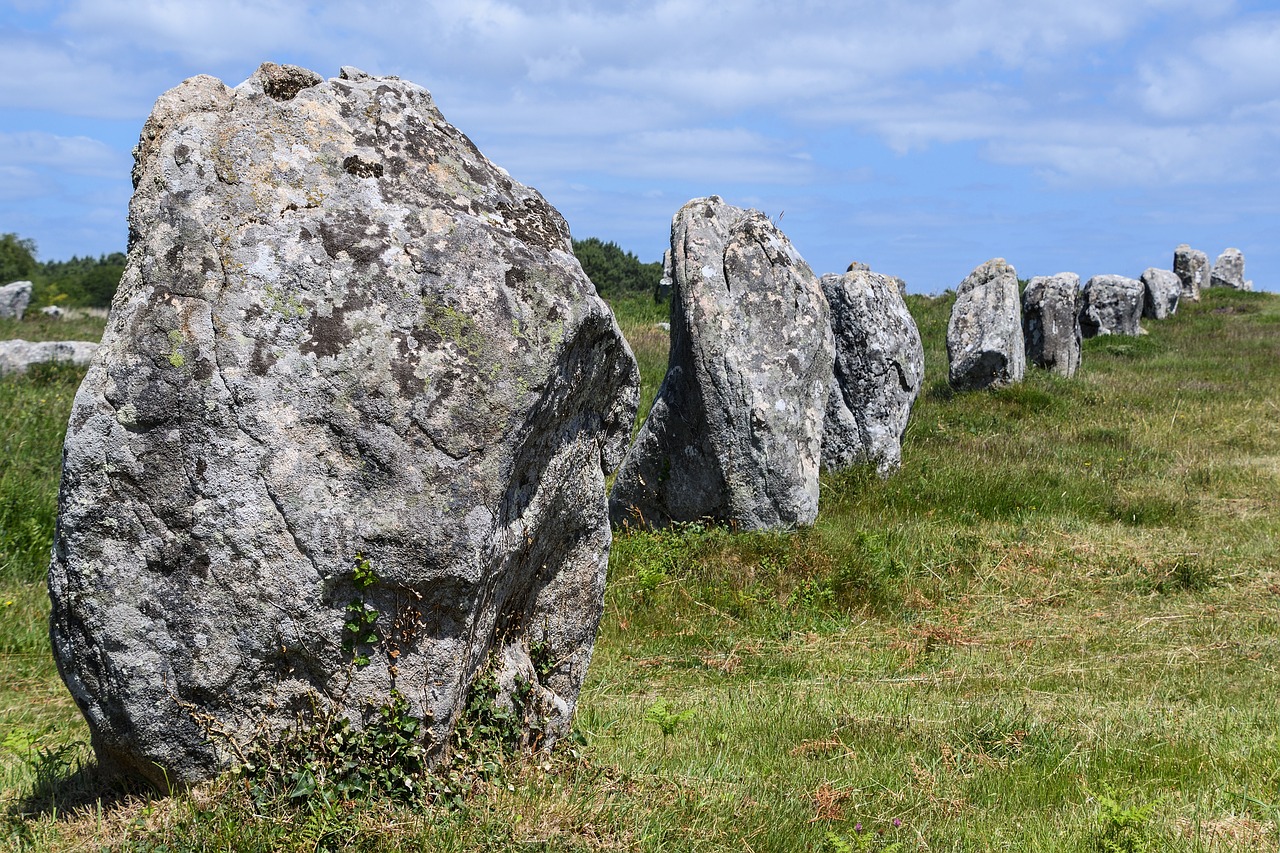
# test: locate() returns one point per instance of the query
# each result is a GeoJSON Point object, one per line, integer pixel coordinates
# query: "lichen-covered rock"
{"type": "Point", "coordinates": [1112, 305]}
{"type": "Point", "coordinates": [1162, 288]}
{"type": "Point", "coordinates": [879, 366]}
{"type": "Point", "coordinates": [662, 290]}
{"type": "Point", "coordinates": [18, 356]}
{"type": "Point", "coordinates": [1191, 266]}
{"type": "Point", "coordinates": [735, 433]}
{"type": "Point", "coordinates": [985, 346]}
{"type": "Point", "coordinates": [1228, 271]}
{"type": "Point", "coordinates": [1051, 322]}
{"type": "Point", "coordinates": [343, 338]}
{"type": "Point", "coordinates": [14, 299]}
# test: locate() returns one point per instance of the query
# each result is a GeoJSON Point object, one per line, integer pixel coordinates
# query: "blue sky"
{"type": "Point", "coordinates": [923, 138]}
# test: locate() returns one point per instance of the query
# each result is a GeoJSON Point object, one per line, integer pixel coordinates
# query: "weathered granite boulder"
{"type": "Point", "coordinates": [1228, 271]}
{"type": "Point", "coordinates": [1161, 291]}
{"type": "Point", "coordinates": [735, 433]}
{"type": "Point", "coordinates": [1111, 305]}
{"type": "Point", "coordinates": [18, 356]}
{"type": "Point", "coordinates": [53, 311]}
{"type": "Point", "coordinates": [14, 299]}
{"type": "Point", "coordinates": [879, 366]}
{"type": "Point", "coordinates": [985, 347]}
{"type": "Point", "coordinates": [1191, 266]}
{"type": "Point", "coordinates": [342, 335]}
{"type": "Point", "coordinates": [1051, 322]}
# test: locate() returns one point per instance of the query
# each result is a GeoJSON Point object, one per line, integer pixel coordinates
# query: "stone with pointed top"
{"type": "Point", "coordinates": [985, 345]}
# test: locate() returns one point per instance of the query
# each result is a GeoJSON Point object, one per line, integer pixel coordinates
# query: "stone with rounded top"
{"type": "Point", "coordinates": [1228, 271]}
{"type": "Point", "coordinates": [985, 345]}
{"type": "Point", "coordinates": [879, 367]}
{"type": "Point", "coordinates": [14, 299]}
{"type": "Point", "coordinates": [343, 336]}
{"type": "Point", "coordinates": [735, 433]}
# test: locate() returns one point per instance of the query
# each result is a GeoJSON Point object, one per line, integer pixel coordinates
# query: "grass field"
{"type": "Point", "coordinates": [1056, 628]}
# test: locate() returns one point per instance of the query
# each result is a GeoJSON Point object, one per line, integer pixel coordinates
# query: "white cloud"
{"type": "Point", "coordinates": [76, 155]}
{"type": "Point", "coordinates": [1217, 75]}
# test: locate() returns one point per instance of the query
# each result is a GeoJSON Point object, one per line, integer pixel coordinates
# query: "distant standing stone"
{"type": "Point", "coordinates": [985, 346]}
{"type": "Point", "coordinates": [662, 291]}
{"type": "Point", "coordinates": [879, 366]}
{"type": "Point", "coordinates": [1112, 305]}
{"type": "Point", "coordinates": [1162, 289]}
{"type": "Point", "coordinates": [14, 299]}
{"type": "Point", "coordinates": [1228, 271]}
{"type": "Point", "coordinates": [342, 334]}
{"type": "Point", "coordinates": [52, 311]}
{"type": "Point", "coordinates": [17, 356]}
{"type": "Point", "coordinates": [735, 434]}
{"type": "Point", "coordinates": [1192, 268]}
{"type": "Point", "coordinates": [1051, 322]}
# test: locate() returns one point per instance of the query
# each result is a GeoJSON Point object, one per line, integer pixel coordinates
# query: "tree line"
{"type": "Point", "coordinates": [91, 282]}
{"type": "Point", "coordinates": [86, 282]}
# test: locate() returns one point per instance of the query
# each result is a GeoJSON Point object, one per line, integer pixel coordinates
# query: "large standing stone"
{"type": "Point", "coordinates": [735, 434]}
{"type": "Point", "coordinates": [14, 299]}
{"type": "Point", "coordinates": [1228, 271]}
{"type": "Point", "coordinates": [341, 331]}
{"type": "Point", "coordinates": [662, 290]}
{"type": "Point", "coordinates": [18, 356]}
{"type": "Point", "coordinates": [1161, 291]}
{"type": "Point", "coordinates": [985, 346]}
{"type": "Point", "coordinates": [1192, 268]}
{"type": "Point", "coordinates": [1051, 322]}
{"type": "Point", "coordinates": [879, 366]}
{"type": "Point", "coordinates": [1112, 305]}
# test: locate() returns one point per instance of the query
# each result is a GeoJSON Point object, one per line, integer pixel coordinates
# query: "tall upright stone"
{"type": "Point", "coordinates": [1112, 305]}
{"type": "Point", "coordinates": [1051, 322]}
{"type": "Point", "coordinates": [985, 346]}
{"type": "Point", "coordinates": [1191, 266]}
{"type": "Point", "coordinates": [14, 299]}
{"type": "Point", "coordinates": [1228, 271]}
{"type": "Point", "coordinates": [735, 433]}
{"type": "Point", "coordinates": [1162, 289]}
{"type": "Point", "coordinates": [352, 366]}
{"type": "Point", "coordinates": [879, 366]}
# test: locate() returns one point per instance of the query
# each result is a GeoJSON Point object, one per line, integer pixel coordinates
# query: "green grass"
{"type": "Point", "coordinates": [1056, 628]}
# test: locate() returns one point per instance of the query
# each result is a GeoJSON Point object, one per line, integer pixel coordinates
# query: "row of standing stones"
{"type": "Point", "coordinates": [346, 339]}
{"type": "Point", "coordinates": [993, 333]}
{"type": "Point", "coordinates": [17, 356]}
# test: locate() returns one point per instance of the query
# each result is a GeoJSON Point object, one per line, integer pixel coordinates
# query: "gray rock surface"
{"type": "Point", "coordinates": [1191, 266]}
{"type": "Point", "coordinates": [985, 346]}
{"type": "Point", "coordinates": [52, 311]}
{"type": "Point", "coordinates": [1112, 305]}
{"type": "Point", "coordinates": [341, 331]}
{"type": "Point", "coordinates": [1228, 271]}
{"type": "Point", "coordinates": [1162, 288]}
{"type": "Point", "coordinates": [879, 366]}
{"type": "Point", "coordinates": [735, 433]}
{"type": "Point", "coordinates": [17, 356]}
{"type": "Point", "coordinates": [1051, 322]}
{"type": "Point", "coordinates": [14, 299]}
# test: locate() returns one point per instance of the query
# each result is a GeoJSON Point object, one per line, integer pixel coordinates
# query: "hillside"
{"type": "Point", "coordinates": [1056, 628]}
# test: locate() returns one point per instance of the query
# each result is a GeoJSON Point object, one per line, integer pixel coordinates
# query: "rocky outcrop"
{"type": "Point", "coordinates": [985, 346]}
{"type": "Point", "coordinates": [1112, 305]}
{"type": "Point", "coordinates": [879, 365]}
{"type": "Point", "coordinates": [1191, 266]}
{"type": "Point", "coordinates": [1051, 322]}
{"type": "Point", "coordinates": [353, 375]}
{"type": "Point", "coordinates": [1162, 289]}
{"type": "Point", "coordinates": [18, 356]}
{"type": "Point", "coordinates": [735, 433]}
{"type": "Point", "coordinates": [1228, 271]}
{"type": "Point", "coordinates": [14, 299]}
